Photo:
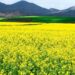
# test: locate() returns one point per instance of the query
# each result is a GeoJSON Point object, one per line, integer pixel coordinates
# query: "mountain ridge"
{"type": "Point", "coordinates": [24, 8]}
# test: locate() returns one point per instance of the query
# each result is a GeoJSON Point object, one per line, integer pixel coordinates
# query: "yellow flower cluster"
{"type": "Point", "coordinates": [32, 54]}
{"type": "Point", "coordinates": [37, 52]}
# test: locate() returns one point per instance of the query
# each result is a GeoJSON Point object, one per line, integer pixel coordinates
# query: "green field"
{"type": "Point", "coordinates": [43, 19]}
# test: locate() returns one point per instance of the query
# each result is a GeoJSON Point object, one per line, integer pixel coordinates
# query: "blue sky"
{"type": "Point", "coordinates": [60, 4]}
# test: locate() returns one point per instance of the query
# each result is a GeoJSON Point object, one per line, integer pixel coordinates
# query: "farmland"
{"type": "Point", "coordinates": [37, 48]}
{"type": "Point", "coordinates": [41, 19]}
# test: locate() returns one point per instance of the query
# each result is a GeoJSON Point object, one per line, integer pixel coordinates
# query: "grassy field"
{"type": "Point", "coordinates": [37, 48]}
{"type": "Point", "coordinates": [41, 19]}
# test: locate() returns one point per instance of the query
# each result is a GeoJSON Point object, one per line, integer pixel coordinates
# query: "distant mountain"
{"type": "Point", "coordinates": [2, 7]}
{"type": "Point", "coordinates": [70, 12]}
{"type": "Point", "coordinates": [24, 8]}
{"type": "Point", "coordinates": [53, 10]}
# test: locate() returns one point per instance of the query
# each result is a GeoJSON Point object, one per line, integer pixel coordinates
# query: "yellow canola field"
{"type": "Point", "coordinates": [36, 26]}
{"type": "Point", "coordinates": [37, 48]}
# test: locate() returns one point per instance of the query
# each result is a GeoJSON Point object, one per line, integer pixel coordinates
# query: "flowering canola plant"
{"type": "Point", "coordinates": [47, 49]}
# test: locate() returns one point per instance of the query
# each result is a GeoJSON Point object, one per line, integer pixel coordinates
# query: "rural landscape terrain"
{"type": "Point", "coordinates": [37, 48]}
{"type": "Point", "coordinates": [36, 42]}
